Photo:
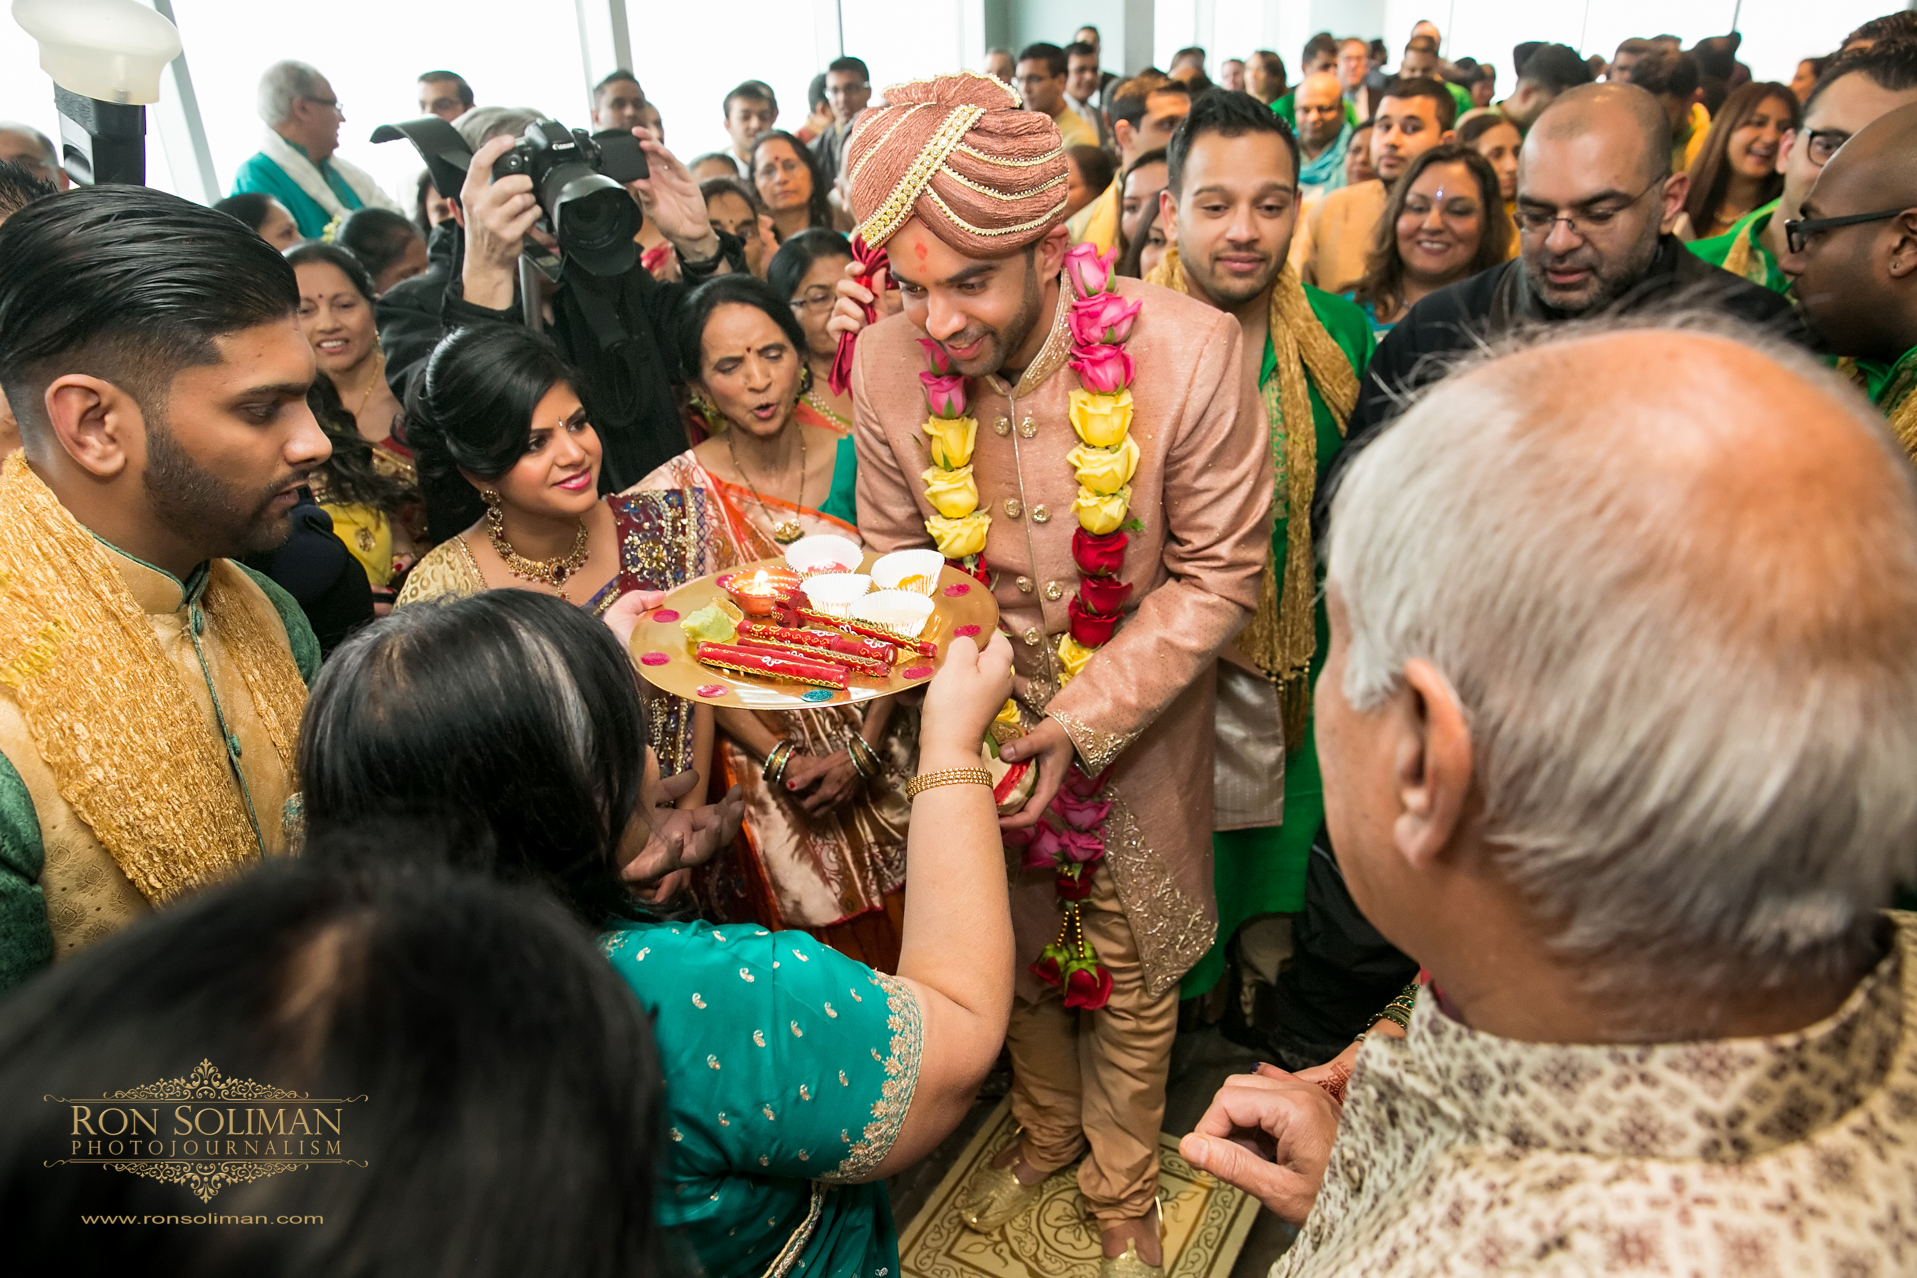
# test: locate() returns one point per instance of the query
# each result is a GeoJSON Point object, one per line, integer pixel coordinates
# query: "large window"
{"type": "Point", "coordinates": [514, 53]}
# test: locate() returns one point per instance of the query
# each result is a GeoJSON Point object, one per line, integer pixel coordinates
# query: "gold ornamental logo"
{"type": "Point", "coordinates": [207, 1131]}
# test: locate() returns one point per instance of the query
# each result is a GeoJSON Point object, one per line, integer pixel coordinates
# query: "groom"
{"type": "Point", "coordinates": [1088, 447]}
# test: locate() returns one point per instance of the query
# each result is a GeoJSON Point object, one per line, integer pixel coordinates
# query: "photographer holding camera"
{"type": "Point", "coordinates": [614, 328]}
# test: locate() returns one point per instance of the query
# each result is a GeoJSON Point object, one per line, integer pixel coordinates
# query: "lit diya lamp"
{"type": "Point", "coordinates": [758, 591]}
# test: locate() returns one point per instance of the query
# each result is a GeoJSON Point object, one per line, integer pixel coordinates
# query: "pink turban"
{"type": "Point", "coordinates": [959, 153]}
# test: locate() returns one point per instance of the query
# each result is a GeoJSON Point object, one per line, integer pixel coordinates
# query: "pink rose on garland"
{"type": "Point", "coordinates": [1080, 813]}
{"type": "Point", "coordinates": [1089, 988]}
{"type": "Point", "coordinates": [1089, 270]}
{"type": "Point", "coordinates": [1098, 555]}
{"type": "Point", "coordinates": [938, 357]}
{"type": "Point", "coordinates": [1045, 849]}
{"type": "Point", "coordinates": [1103, 370]}
{"type": "Point", "coordinates": [1083, 847]}
{"type": "Point", "coordinates": [1081, 785]}
{"type": "Point", "coordinates": [944, 393]}
{"type": "Point", "coordinates": [1104, 318]}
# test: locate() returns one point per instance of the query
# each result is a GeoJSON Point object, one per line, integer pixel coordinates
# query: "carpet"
{"type": "Point", "coordinates": [1205, 1222]}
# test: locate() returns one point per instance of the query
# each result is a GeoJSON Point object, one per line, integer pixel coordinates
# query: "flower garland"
{"type": "Point", "coordinates": [1104, 462]}
{"type": "Point", "coordinates": [1107, 455]}
{"type": "Point", "coordinates": [959, 527]}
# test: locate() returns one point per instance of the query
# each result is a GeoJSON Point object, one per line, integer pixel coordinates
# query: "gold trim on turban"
{"type": "Point", "coordinates": [942, 149]}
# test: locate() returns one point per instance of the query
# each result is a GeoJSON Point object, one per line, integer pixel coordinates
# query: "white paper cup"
{"type": "Point", "coordinates": [900, 611]}
{"type": "Point", "coordinates": [834, 593]}
{"type": "Point", "coordinates": [824, 553]}
{"type": "Point", "coordinates": [921, 567]}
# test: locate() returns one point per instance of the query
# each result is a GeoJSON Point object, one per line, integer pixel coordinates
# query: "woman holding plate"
{"type": "Point", "coordinates": [509, 465]}
{"type": "Point", "coordinates": [823, 844]}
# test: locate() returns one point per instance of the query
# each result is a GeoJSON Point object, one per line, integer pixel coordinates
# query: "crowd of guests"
{"type": "Point", "coordinates": [325, 524]}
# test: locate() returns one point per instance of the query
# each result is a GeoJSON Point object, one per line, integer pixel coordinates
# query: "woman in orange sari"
{"type": "Point", "coordinates": [823, 843]}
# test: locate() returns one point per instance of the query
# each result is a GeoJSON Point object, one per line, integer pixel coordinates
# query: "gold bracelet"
{"type": "Point", "coordinates": [951, 776]}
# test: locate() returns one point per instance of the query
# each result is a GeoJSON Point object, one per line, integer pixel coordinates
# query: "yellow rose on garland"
{"type": "Point", "coordinates": [953, 493]}
{"type": "Point", "coordinates": [952, 440]}
{"type": "Point", "coordinates": [1101, 513]}
{"type": "Point", "coordinates": [1073, 655]}
{"type": "Point", "coordinates": [1105, 470]}
{"type": "Point", "coordinates": [959, 537]}
{"type": "Point", "coordinates": [1101, 420]}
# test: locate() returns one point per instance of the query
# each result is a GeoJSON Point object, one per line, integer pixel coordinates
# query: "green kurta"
{"type": "Point", "coordinates": [1761, 268]}
{"type": "Point", "coordinates": [1262, 870]}
{"type": "Point", "coordinates": [1889, 384]}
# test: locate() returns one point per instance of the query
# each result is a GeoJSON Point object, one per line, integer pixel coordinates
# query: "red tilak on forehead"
{"type": "Point", "coordinates": [918, 251]}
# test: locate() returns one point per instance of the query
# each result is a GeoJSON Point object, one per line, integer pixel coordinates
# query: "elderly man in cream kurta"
{"type": "Point", "coordinates": [1139, 713]}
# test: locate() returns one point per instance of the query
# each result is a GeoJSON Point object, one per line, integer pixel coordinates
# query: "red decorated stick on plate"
{"type": "Point", "coordinates": [923, 647]}
{"type": "Point", "coordinates": [870, 667]}
{"type": "Point", "coordinates": [748, 661]}
{"type": "Point", "coordinates": [834, 641]}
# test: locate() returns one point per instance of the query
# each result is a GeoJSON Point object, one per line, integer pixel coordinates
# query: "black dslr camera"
{"type": "Point", "coordinates": [578, 178]}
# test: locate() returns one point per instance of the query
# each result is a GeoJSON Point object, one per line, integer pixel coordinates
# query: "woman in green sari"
{"type": "Point", "coordinates": [796, 1078]}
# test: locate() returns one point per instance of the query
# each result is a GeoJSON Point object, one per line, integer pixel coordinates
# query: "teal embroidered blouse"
{"type": "Point", "coordinates": [789, 1070]}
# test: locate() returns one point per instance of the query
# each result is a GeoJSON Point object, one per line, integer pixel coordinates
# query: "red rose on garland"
{"type": "Point", "coordinates": [1099, 555]}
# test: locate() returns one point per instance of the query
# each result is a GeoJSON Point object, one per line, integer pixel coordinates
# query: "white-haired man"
{"type": "Point", "coordinates": [1617, 729]}
{"type": "Point", "coordinates": [296, 164]}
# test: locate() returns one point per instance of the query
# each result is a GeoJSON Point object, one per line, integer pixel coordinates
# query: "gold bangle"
{"type": "Point", "coordinates": [951, 776]}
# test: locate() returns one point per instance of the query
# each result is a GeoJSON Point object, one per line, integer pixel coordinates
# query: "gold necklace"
{"type": "Point", "coordinates": [788, 531]}
{"type": "Point", "coordinates": [379, 369]}
{"type": "Point", "coordinates": [818, 402]}
{"type": "Point", "coordinates": [552, 572]}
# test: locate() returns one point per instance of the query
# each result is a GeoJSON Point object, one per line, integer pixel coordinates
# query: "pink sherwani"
{"type": "Point", "coordinates": [1143, 705]}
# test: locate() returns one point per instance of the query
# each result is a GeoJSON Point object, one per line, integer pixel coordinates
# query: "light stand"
{"type": "Point", "coordinates": [105, 57]}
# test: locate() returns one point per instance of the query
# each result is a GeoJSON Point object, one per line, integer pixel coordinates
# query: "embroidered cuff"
{"type": "Point", "coordinates": [1097, 749]}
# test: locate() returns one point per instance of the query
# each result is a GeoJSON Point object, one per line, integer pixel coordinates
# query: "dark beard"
{"type": "Point", "coordinates": [199, 507]}
{"type": "Point", "coordinates": [1614, 280]}
{"type": "Point", "coordinates": [1009, 340]}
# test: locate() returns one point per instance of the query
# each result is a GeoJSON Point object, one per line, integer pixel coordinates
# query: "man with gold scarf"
{"type": "Point", "coordinates": [966, 194]}
{"type": "Point", "coordinates": [1232, 201]}
{"type": "Point", "coordinates": [150, 687]}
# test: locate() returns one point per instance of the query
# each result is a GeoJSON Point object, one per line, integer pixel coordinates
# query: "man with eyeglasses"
{"type": "Point", "coordinates": [1596, 203]}
{"type": "Point", "coordinates": [848, 88]}
{"type": "Point", "coordinates": [1853, 256]}
{"type": "Point", "coordinates": [1856, 88]}
{"type": "Point", "coordinates": [296, 164]}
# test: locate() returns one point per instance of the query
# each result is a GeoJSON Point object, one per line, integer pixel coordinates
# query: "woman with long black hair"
{"type": "Point", "coordinates": [509, 465]}
{"type": "Point", "coordinates": [798, 1078]}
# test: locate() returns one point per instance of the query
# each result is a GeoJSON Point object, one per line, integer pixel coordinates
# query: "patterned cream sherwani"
{"type": "Point", "coordinates": [1791, 1155]}
{"type": "Point", "coordinates": [1143, 706]}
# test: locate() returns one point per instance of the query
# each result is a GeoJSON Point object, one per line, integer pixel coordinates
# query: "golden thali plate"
{"type": "Point", "coordinates": [961, 606]}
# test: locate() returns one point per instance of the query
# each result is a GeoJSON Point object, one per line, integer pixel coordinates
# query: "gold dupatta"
{"type": "Point", "coordinates": [128, 747]}
{"type": "Point", "coordinates": [1899, 403]}
{"type": "Point", "coordinates": [1743, 259]}
{"type": "Point", "coordinates": [1283, 635]}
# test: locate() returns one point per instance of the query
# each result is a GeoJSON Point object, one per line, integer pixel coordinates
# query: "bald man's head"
{"type": "Point", "coordinates": [1857, 283]}
{"type": "Point", "coordinates": [1625, 113]}
{"type": "Point", "coordinates": [1582, 537]}
{"type": "Point", "coordinates": [1595, 193]}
